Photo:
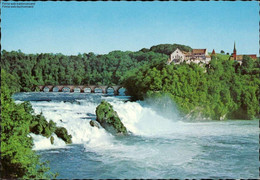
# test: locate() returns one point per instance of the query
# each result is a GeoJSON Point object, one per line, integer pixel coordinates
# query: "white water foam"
{"type": "Point", "coordinates": [157, 142]}
{"type": "Point", "coordinates": [143, 121]}
{"type": "Point", "coordinates": [41, 142]}
{"type": "Point", "coordinates": [73, 118]}
{"type": "Point", "coordinates": [139, 120]}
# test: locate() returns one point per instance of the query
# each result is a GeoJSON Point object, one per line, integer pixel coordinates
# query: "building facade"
{"type": "Point", "coordinates": [195, 56]}
{"type": "Point", "coordinates": [177, 56]}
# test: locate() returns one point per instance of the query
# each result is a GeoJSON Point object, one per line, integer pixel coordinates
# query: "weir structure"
{"type": "Point", "coordinates": [80, 87]}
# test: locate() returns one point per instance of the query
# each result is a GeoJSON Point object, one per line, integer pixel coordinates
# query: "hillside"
{"type": "Point", "coordinates": [167, 49]}
{"type": "Point", "coordinates": [87, 68]}
{"type": "Point", "coordinates": [220, 90]}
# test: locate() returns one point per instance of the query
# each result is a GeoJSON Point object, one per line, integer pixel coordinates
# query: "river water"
{"type": "Point", "coordinates": [159, 147]}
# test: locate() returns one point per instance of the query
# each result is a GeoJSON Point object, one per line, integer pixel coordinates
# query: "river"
{"type": "Point", "coordinates": [159, 147]}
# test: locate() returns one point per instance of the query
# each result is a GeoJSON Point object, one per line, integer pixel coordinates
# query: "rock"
{"type": "Point", "coordinates": [39, 125]}
{"type": "Point", "coordinates": [52, 140]}
{"type": "Point", "coordinates": [94, 124]}
{"type": "Point", "coordinates": [109, 120]}
{"type": "Point", "coordinates": [62, 133]}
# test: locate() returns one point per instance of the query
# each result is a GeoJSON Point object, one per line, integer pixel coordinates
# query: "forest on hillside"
{"type": "Point", "coordinates": [86, 68]}
{"type": "Point", "coordinates": [222, 89]}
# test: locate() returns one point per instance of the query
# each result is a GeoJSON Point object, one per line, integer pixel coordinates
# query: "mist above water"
{"type": "Point", "coordinates": [164, 106]}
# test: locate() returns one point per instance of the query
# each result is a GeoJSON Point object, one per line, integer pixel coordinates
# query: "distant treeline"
{"type": "Point", "coordinates": [108, 69]}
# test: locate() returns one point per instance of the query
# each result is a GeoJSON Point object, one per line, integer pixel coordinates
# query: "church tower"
{"type": "Point", "coordinates": [213, 52]}
{"type": "Point", "coordinates": [235, 52]}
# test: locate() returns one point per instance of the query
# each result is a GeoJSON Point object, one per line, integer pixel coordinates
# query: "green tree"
{"type": "Point", "coordinates": [18, 160]}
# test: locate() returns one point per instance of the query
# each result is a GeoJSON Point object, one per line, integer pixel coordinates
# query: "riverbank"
{"type": "Point", "coordinates": [223, 89]}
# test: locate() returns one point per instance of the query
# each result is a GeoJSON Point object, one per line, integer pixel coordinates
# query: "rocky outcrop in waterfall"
{"type": "Point", "coordinates": [109, 120]}
{"type": "Point", "coordinates": [94, 124]}
{"type": "Point", "coordinates": [39, 125]}
{"type": "Point", "coordinates": [52, 140]}
{"type": "Point", "coordinates": [62, 133]}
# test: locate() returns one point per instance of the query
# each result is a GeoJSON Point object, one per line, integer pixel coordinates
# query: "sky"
{"type": "Point", "coordinates": [100, 27]}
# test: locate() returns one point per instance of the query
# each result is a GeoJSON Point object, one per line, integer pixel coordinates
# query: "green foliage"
{"type": "Point", "coordinates": [220, 90]}
{"type": "Point", "coordinates": [168, 48]}
{"type": "Point", "coordinates": [10, 81]}
{"type": "Point", "coordinates": [18, 160]}
{"type": "Point", "coordinates": [30, 70]}
{"type": "Point", "coordinates": [106, 116]}
{"type": "Point", "coordinates": [62, 133]}
{"type": "Point", "coordinates": [248, 66]}
{"type": "Point", "coordinates": [18, 120]}
{"type": "Point", "coordinates": [39, 125]}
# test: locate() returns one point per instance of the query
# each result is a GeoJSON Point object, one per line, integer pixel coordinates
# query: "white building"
{"type": "Point", "coordinates": [196, 56]}
{"type": "Point", "coordinates": [177, 57]}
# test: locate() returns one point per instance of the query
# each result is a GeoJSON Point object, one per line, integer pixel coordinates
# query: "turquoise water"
{"type": "Point", "coordinates": [158, 147]}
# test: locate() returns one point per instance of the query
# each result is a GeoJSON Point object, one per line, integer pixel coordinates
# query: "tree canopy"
{"type": "Point", "coordinates": [222, 89]}
{"type": "Point", "coordinates": [40, 69]}
{"type": "Point", "coordinates": [167, 49]}
{"type": "Point", "coordinates": [18, 160]}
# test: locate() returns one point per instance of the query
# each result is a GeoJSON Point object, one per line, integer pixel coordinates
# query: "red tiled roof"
{"type": "Point", "coordinates": [251, 55]}
{"type": "Point", "coordinates": [198, 51]}
{"type": "Point", "coordinates": [240, 57]}
{"type": "Point", "coordinates": [186, 53]}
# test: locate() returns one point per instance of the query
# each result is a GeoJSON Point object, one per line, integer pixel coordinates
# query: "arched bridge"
{"type": "Point", "coordinates": [81, 88]}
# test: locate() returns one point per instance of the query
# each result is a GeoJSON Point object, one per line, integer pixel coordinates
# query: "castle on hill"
{"type": "Point", "coordinates": [201, 56]}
